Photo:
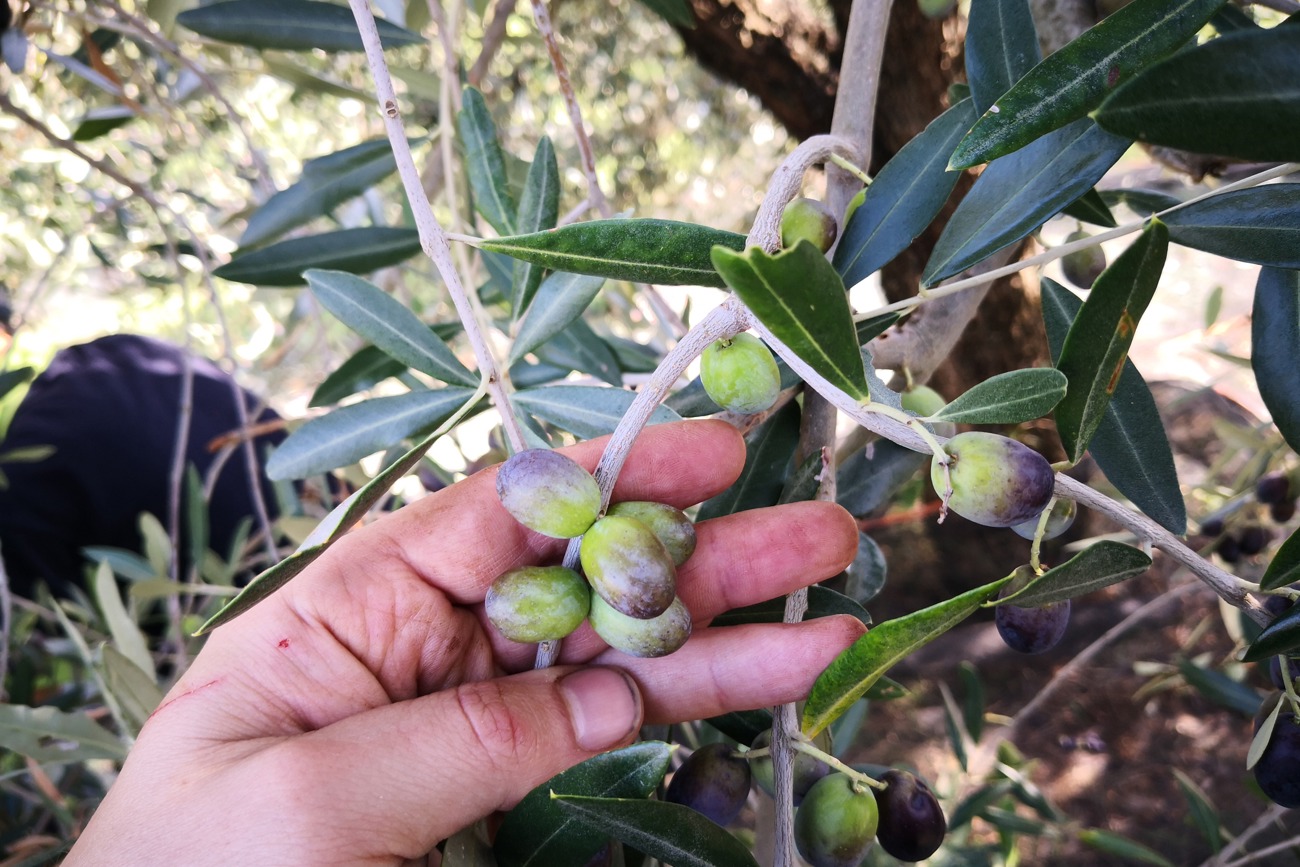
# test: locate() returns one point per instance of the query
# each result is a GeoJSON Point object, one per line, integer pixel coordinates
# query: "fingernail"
{"type": "Point", "coordinates": [604, 706]}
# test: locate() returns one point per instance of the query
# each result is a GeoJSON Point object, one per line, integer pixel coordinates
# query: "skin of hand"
{"type": "Point", "coordinates": [368, 710]}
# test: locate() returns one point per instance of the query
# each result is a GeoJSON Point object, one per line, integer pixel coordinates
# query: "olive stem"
{"type": "Point", "coordinates": [852, 168]}
{"type": "Point", "coordinates": [1039, 532]}
{"type": "Point", "coordinates": [803, 745]}
{"type": "Point", "coordinates": [432, 239]}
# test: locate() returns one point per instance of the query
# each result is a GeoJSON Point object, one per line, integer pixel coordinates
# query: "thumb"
{"type": "Point", "coordinates": [420, 770]}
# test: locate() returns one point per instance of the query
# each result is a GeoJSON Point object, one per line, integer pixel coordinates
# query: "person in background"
{"type": "Point", "coordinates": [110, 409]}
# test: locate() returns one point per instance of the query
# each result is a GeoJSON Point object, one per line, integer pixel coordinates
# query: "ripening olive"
{"type": "Point", "coordinates": [538, 603]}
{"type": "Point", "coordinates": [996, 481]}
{"type": "Point", "coordinates": [836, 824]}
{"type": "Point", "coordinates": [628, 566]}
{"type": "Point", "coordinates": [808, 220]}
{"type": "Point", "coordinates": [912, 825]}
{"type": "Point", "coordinates": [658, 636]}
{"type": "Point", "coordinates": [714, 781]}
{"type": "Point", "coordinates": [1278, 769]}
{"type": "Point", "coordinates": [740, 374]}
{"type": "Point", "coordinates": [1083, 267]}
{"type": "Point", "coordinates": [1060, 519]}
{"type": "Point", "coordinates": [549, 493]}
{"type": "Point", "coordinates": [1282, 511]}
{"type": "Point", "coordinates": [807, 769]}
{"type": "Point", "coordinates": [670, 526]}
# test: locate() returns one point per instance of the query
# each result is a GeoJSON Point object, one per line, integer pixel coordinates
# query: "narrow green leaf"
{"type": "Point", "coordinates": [357, 251]}
{"type": "Point", "coordinates": [870, 329]}
{"type": "Point", "coordinates": [368, 367]}
{"type": "Point", "coordinates": [485, 163]}
{"type": "Point", "coordinates": [1221, 689]}
{"type": "Point", "coordinates": [343, 517]}
{"type": "Point", "coordinates": [1144, 203]}
{"type": "Point", "coordinates": [822, 602]}
{"type": "Point", "coordinates": [1260, 225]}
{"type": "Point", "coordinates": [538, 833]}
{"type": "Point", "coordinates": [1275, 338]}
{"type": "Point", "coordinates": [1264, 734]}
{"type": "Point", "coordinates": [1213, 306]}
{"type": "Point", "coordinates": [135, 691]}
{"type": "Point", "coordinates": [869, 478]}
{"type": "Point", "coordinates": [1019, 192]}
{"type": "Point", "coordinates": [349, 433]}
{"type": "Point", "coordinates": [673, 833]}
{"type": "Point", "coordinates": [744, 725]}
{"type": "Point", "coordinates": [290, 25]}
{"type": "Point", "coordinates": [124, 563]}
{"type": "Point", "coordinates": [310, 81]}
{"type": "Point", "coordinates": [866, 575]}
{"type": "Point", "coordinates": [797, 294]}
{"type": "Point", "coordinates": [387, 323]}
{"type": "Point", "coordinates": [1008, 398]}
{"type": "Point", "coordinates": [11, 379]}
{"type": "Point", "coordinates": [126, 635]}
{"type": "Point", "coordinates": [854, 671]}
{"type": "Point", "coordinates": [1097, 345]}
{"type": "Point", "coordinates": [1099, 565]}
{"type": "Point", "coordinates": [767, 460]}
{"type": "Point", "coordinates": [1284, 568]}
{"type": "Point", "coordinates": [972, 706]}
{"type": "Point", "coordinates": [1280, 636]}
{"type": "Point", "coordinates": [1074, 80]}
{"type": "Point", "coordinates": [1130, 445]}
{"type": "Point", "coordinates": [561, 298]}
{"type": "Point", "coordinates": [1001, 46]}
{"type": "Point", "coordinates": [580, 348]}
{"type": "Point", "coordinates": [1091, 208]}
{"type": "Point", "coordinates": [675, 12]}
{"type": "Point", "coordinates": [325, 183]}
{"type": "Point", "coordinates": [904, 197]}
{"type": "Point", "coordinates": [585, 411]}
{"type": "Point", "coordinates": [539, 209]}
{"type": "Point", "coordinates": [197, 521]}
{"type": "Point", "coordinates": [52, 736]}
{"type": "Point", "coordinates": [1235, 96]}
{"type": "Point", "coordinates": [639, 251]}
{"type": "Point", "coordinates": [1122, 847]}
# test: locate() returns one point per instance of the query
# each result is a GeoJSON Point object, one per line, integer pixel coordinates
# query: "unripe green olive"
{"type": "Point", "coordinates": [1083, 267]}
{"type": "Point", "coordinates": [670, 526]}
{"type": "Point", "coordinates": [629, 567]}
{"type": "Point", "coordinates": [924, 401]}
{"type": "Point", "coordinates": [1060, 520]}
{"type": "Point", "coordinates": [740, 374]}
{"type": "Point", "coordinates": [658, 636]}
{"type": "Point", "coordinates": [836, 824]}
{"type": "Point", "coordinates": [549, 493]}
{"type": "Point", "coordinates": [538, 603]}
{"type": "Point", "coordinates": [996, 481]}
{"type": "Point", "coordinates": [807, 769]}
{"type": "Point", "coordinates": [808, 220]}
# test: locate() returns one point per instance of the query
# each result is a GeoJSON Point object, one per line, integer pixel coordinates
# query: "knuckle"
{"type": "Point", "coordinates": [503, 736]}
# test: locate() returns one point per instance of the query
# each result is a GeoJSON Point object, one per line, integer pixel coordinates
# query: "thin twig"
{"type": "Point", "coordinates": [432, 239]}
{"type": "Point", "coordinates": [493, 37]}
{"type": "Point", "coordinates": [1253, 857]}
{"type": "Point", "coordinates": [1061, 250]}
{"type": "Point", "coordinates": [1268, 817]}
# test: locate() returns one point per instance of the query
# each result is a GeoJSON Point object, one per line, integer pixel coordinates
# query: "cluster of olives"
{"type": "Point", "coordinates": [838, 818]}
{"type": "Point", "coordinates": [1248, 538]}
{"type": "Point", "coordinates": [1278, 770]}
{"type": "Point", "coordinates": [629, 558]}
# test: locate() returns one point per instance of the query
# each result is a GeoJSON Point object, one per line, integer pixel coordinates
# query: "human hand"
{"type": "Point", "coordinates": [368, 710]}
